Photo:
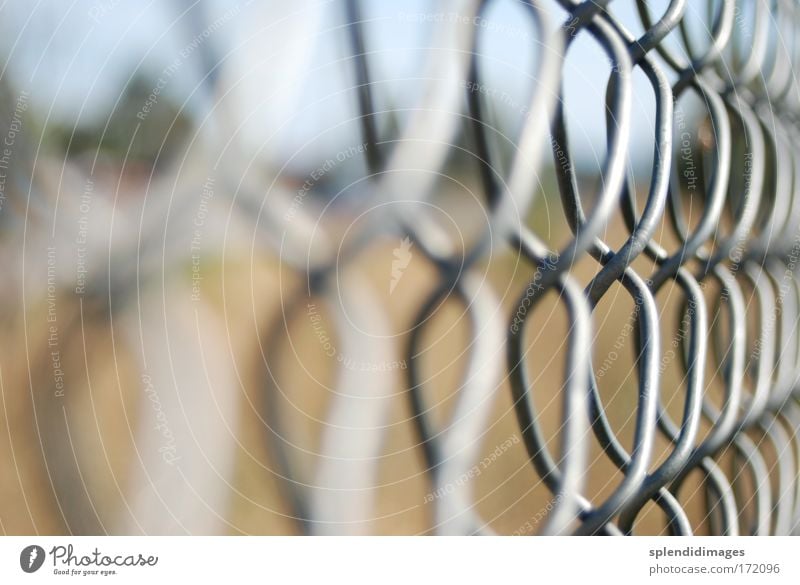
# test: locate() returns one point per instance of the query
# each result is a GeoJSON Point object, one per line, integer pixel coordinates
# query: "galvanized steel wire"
{"type": "Point", "coordinates": [750, 173]}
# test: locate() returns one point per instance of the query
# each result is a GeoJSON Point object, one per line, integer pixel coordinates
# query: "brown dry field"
{"type": "Point", "coordinates": [89, 463]}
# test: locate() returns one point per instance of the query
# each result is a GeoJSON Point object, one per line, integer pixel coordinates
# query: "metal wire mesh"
{"type": "Point", "coordinates": [665, 387]}
{"type": "Point", "coordinates": [740, 179]}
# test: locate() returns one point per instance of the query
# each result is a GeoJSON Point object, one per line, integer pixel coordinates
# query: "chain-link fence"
{"type": "Point", "coordinates": [724, 187]}
{"type": "Point", "coordinates": [452, 306]}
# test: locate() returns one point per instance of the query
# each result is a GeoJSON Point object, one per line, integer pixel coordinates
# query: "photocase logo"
{"type": "Point", "coordinates": [402, 256]}
{"type": "Point", "coordinates": [31, 558]}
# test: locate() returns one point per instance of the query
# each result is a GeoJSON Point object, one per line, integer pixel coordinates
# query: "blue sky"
{"type": "Point", "coordinates": [74, 58]}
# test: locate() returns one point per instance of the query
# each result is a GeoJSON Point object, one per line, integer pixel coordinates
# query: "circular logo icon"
{"type": "Point", "coordinates": [31, 558]}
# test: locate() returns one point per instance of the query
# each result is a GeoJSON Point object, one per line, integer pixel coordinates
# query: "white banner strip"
{"type": "Point", "coordinates": [400, 560]}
